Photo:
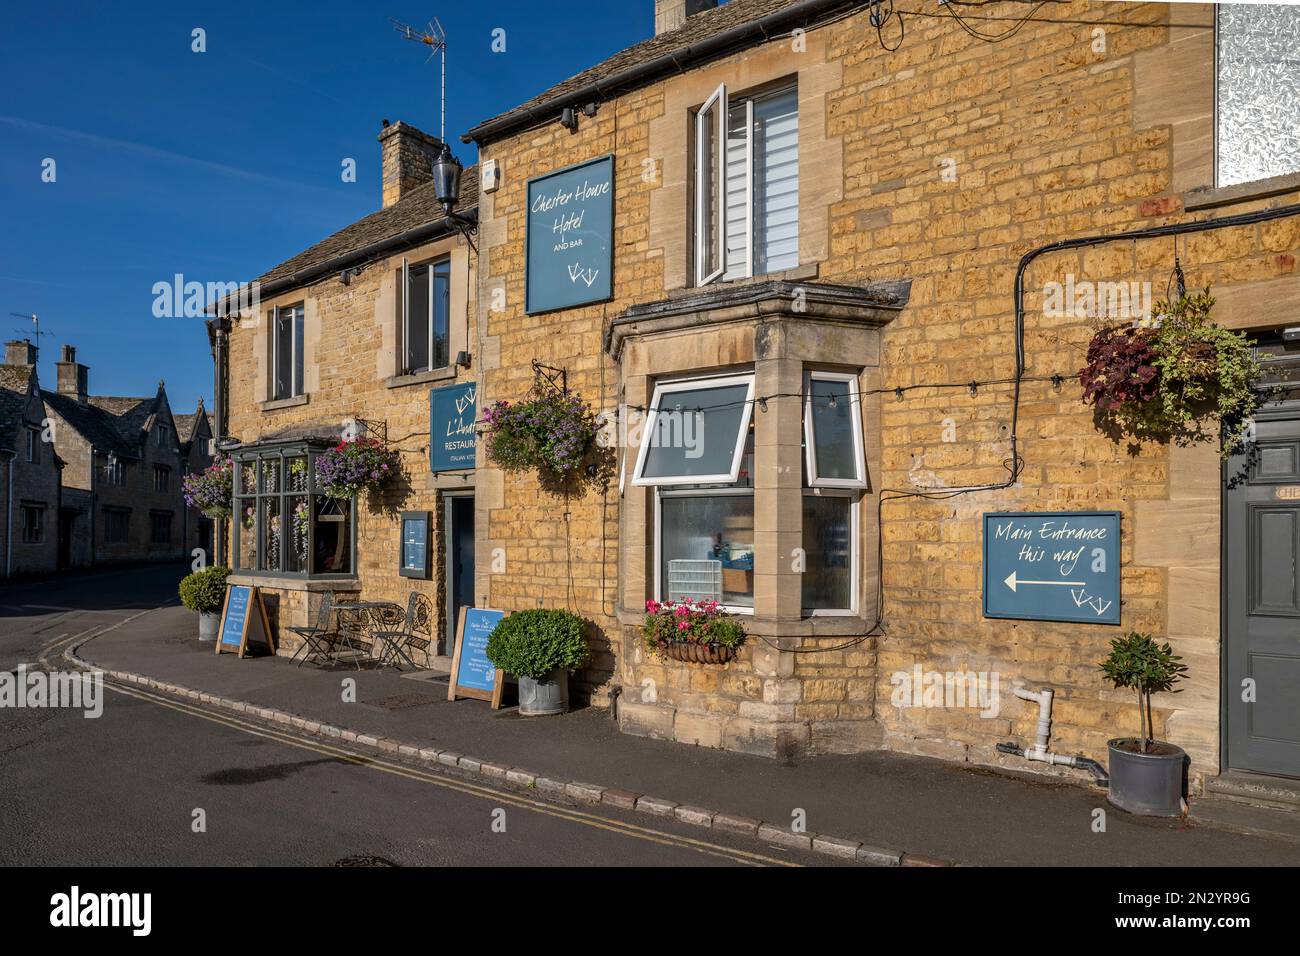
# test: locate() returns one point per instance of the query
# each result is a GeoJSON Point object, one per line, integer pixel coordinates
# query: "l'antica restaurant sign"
{"type": "Point", "coordinates": [570, 236]}
{"type": "Point", "coordinates": [452, 441]}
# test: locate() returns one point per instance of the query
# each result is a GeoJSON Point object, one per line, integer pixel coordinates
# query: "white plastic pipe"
{"type": "Point", "coordinates": [1043, 733]}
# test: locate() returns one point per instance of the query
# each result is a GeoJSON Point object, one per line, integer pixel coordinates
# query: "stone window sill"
{"type": "Point", "coordinates": [277, 403]}
{"type": "Point", "coordinates": [1208, 197]}
{"type": "Point", "coordinates": [819, 625]}
{"type": "Point", "coordinates": [444, 374]}
{"type": "Point", "coordinates": [274, 583]}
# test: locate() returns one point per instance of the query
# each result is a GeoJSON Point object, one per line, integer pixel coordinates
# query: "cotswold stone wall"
{"type": "Point", "coordinates": [350, 365]}
{"type": "Point", "coordinates": [943, 163]}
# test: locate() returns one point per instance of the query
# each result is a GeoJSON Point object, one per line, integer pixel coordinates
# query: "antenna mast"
{"type": "Point", "coordinates": [36, 322]}
{"type": "Point", "coordinates": [434, 37]}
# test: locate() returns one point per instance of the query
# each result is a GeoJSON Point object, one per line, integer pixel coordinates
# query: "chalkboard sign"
{"type": "Point", "coordinates": [244, 621]}
{"type": "Point", "coordinates": [472, 674]}
{"type": "Point", "coordinates": [1052, 566]}
{"type": "Point", "coordinates": [452, 439]}
{"type": "Point", "coordinates": [570, 236]}
{"type": "Point", "coordinates": [415, 545]}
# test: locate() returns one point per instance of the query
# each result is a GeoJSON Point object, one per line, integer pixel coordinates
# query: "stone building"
{"type": "Point", "coordinates": [29, 470]}
{"type": "Point", "coordinates": [845, 253]}
{"type": "Point", "coordinates": [124, 460]}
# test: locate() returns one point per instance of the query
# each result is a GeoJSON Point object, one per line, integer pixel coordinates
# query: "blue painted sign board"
{"type": "Point", "coordinates": [415, 544]}
{"type": "Point", "coordinates": [452, 441]}
{"type": "Point", "coordinates": [236, 616]}
{"type": "Point", "coordinates": [1052, 566]}
{"type": "Point", "coordinates": [570, 226]}
{"type": "Point", "coordinates": [472, 674]}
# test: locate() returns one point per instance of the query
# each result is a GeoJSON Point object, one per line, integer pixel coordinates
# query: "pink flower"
{"type": "Point", "coordinates": [683, 626]}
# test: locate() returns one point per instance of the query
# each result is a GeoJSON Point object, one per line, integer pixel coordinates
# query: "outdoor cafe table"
{"type": "Point", "coordinates": [360, 617]}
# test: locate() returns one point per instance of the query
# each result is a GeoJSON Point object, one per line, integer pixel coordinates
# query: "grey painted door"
{"type": "Point", "coordinates": [1262, 525]}
{"type": "Point", "coordinates": [459, 558]}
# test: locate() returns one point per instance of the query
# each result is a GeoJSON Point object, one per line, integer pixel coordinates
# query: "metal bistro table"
{"type": "Point", "coordinates": [359, 618]}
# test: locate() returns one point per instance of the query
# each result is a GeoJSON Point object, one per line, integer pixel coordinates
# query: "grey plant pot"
{"type": "Point", "coordinates": [209, 624]}
{"type": "Point", "coordinates": [1149, 784]}
{"type": "Point", "coordinates": [545, 697]}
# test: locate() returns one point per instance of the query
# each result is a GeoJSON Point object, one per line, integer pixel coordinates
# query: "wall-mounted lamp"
{"type": "Point", "coordinates": [569, 119]}
{"type": "Point", "coordinates": [446, 170]}
{"type": "Point", "coordinates": [462, 359]}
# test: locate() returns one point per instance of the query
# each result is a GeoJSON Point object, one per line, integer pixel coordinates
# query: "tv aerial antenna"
{"type": "Point", "coordinates": [435, 38]}
{"type": "Point", "coordinates": [36, 325]}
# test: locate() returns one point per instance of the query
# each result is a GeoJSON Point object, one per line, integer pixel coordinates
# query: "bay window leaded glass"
{"type": "Point", "coordinates": [283, 526]}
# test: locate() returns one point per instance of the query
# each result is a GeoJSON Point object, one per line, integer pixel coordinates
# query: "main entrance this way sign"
{"type": "Point", "coordinates": [570, 233]}
{"type": "Point", "coordinates": [472, 674]}
{"type": "Point", "coordinates": [1052, 566]}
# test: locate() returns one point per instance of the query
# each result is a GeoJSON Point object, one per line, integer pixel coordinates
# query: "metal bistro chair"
{"type": "Point", "coordinates": [415, 635]}
{"type": "Point", "coordinates": [317, 639]}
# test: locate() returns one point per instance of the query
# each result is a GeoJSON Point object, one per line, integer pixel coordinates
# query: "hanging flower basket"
{"type": "Point", "coordinates": [550, 432]}
{"type": "Point", "coordinates": [211, 490]}
{"type": "Point", "coordinates": [1184, 379]}
{"type": "Point", "coordinates": [698, 632]}
{"type": "Point", "coordinates": [352, 467]}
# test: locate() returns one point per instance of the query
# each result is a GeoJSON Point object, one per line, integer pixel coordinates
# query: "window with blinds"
{"type": "Point", "coordinates": [747, 185]}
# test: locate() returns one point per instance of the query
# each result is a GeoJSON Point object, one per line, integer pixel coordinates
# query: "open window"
{"type": "Point", "coordinates": [832, 425]}
{"type": "Point", "coordinates": [696, 432]}
{"type": "Point", "coordinates": [426, 313]}
{"type": "Point", "coordinates": [746, 184]}
{"type": "Point", "coordinates": [287, 324]}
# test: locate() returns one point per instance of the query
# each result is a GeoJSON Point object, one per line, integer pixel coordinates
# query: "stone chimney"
{"type": "Point", "coordinates": [20, 352]}
{"type": "Point", "coordinates": [407, 156]}
{"type": "Point", "coordinates": [73, 378]}
{"type": "Point", "coordinates": [671, 14]}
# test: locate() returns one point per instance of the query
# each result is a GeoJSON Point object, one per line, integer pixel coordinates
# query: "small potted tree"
{"type": "Point", "coordinates": [539, 647]}
{"type": "Point", "coordinates": [1146, 775]}
{"type": "Point", "coordinates": [203, 592]}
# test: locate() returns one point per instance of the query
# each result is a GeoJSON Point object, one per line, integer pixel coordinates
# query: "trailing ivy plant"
{"type": "Point", "coordinates": [1185, 380]}
{"type": "Point", "coordinates": [1138, 663]}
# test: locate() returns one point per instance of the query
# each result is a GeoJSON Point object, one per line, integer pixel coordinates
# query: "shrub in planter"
{"type": "Point", "coordinates": [1146, 775]}
{"type": "Point", "coordinates": [204, 592]}
{"type": "Point", "coordinates": [211, 490]}
{"type": "Point", "coordinates": [1185, 380]}
{"type": "Point", "coordinates": [539, 646]}
{"type": "Point", "coordinates": [550, 432]}
{"type": "Point", "coordinates": [698, 631]}
{"type": "Point", "coordinates": [351, 467]}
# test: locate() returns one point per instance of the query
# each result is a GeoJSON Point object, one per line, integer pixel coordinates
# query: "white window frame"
{"type": "Point", "coordinates": [717, 101]}
{"type": "Point", "coordinates": [660, 494]}
{"type": "Point", "coordinates": [295, 376]}
{"type": "Point", "coordinates": [809, 436]}
{"type": "Point", "coordinates": [855, 551]}
{"type": "Point", "coordinates": [652, 424]}
{"type": "Point", "coordinates": [405, 318]}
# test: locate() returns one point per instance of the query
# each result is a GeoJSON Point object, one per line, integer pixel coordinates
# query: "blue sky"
{"type": "Point", "coordinates": [219, 165]}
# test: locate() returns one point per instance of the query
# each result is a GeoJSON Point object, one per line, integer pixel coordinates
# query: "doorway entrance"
{"type": "Point", "coordinates": [458, 559]}
{"type": "Point", "coordinates": [1261, 687]}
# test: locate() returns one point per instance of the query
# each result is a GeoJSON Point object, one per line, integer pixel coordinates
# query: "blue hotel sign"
{"type": "Point", "coordinates": [452, 440]}
{"type": "Point", "coordinates": [1052, 566]}
{"type": "Point", "coordinates": [570, 236]}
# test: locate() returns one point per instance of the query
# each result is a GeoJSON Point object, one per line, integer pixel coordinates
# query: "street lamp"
{"type": "Point", "coordinates": [446, 170]}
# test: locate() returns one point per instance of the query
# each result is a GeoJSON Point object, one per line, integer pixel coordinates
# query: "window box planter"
{"type": "Point", "coordinates": [696, 632]}
{"type": "Point", "coordinates": [690, 653]}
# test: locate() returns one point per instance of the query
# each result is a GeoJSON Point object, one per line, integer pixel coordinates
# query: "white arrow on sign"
{"type": "Point", "coordinates": [1011, 582]}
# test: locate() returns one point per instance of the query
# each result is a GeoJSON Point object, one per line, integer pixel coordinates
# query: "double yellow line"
{"type": "Point", "coordinates": [498, 797]}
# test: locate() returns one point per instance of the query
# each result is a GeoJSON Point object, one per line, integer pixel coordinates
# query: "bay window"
{"type": "Point", "coordinates": [283, 525]}
{"type": "Point", "coordinates": [835, 471]}
{"type": "Point", "coordinates": [746, 185]}
{"type": "Point", "coordinates": [697, 451]}
{"type": "Point", "coordinates": [426, 310]}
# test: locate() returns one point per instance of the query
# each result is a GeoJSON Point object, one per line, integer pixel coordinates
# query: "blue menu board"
{"type": "Point", "coordinates": [415, 544]}
{"type": "Point", "coordinates": [1052, 566]}
{"type": "Point", "coordinates": [570, 226]}
{"type": "Point", "coordinates": [473, 669]}
{"type": "Point", "coordinates": [238, 604]}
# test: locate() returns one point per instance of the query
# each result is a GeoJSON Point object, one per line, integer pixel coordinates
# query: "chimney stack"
{"type": "Point", "coordinates": [20, 352]}
{"type": "Point", "coordinates": [73, 378]}
{"type": "Point", "coordinates": [406, 154]}
{"type": "Point", "coordinates": [671, 14]}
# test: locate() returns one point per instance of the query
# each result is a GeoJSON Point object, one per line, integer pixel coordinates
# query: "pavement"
{"type": "Point", "coordinates": [917, 809]}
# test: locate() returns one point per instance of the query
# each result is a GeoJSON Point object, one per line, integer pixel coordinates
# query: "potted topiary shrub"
{"type": "Point", "coordinates": [204, 592]}
{"type": "Point", "coordinates": [1146, 775]}
{"type": "Point", "coordinates": [540, 646]}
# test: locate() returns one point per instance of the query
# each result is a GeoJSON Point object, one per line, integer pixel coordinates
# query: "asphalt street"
{"type": "Point", "coordinates": [132, 786]}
